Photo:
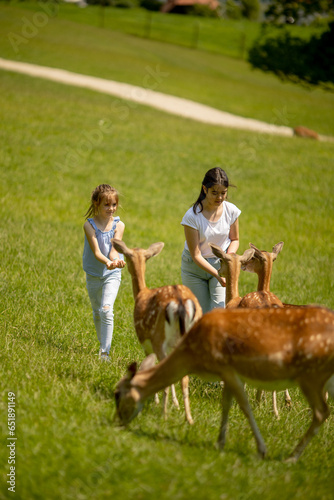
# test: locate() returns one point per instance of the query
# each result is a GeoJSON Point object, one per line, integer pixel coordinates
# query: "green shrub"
{"type": "Point", "coordinates": [203, 11]}
{"type": "Point", "coordinates": [250, 9]}
{"type": "Point", "coordinates": [296, 60]}
{"type": "Point", "coordinates": [233, 10]}
{"type": "Point", "coordinates": [153, 5]}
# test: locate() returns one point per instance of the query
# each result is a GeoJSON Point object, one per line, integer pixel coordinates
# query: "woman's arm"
{"type": "Point", "coordinates": [234, 237]}
{"type": "Point", "coordinates": [192, 238]}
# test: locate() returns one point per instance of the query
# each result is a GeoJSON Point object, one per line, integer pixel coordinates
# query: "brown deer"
{"type": "Point", "coordinates": [261, 263]}
{"type": "Point", "coordinates": [161, 315]}
{"type": "Point", "coordinates": [230, 266]}
{"type": "Point", "coordinates": [267, 347]}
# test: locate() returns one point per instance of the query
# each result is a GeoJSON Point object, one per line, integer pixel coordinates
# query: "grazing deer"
{"type": "Point", "coordinates": [267, 347]}
{"type": "Point", "coordinates": [161, 315]}
{"type": "Point", "coordinates": [261, 263]}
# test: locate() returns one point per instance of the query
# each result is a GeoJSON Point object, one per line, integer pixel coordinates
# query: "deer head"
{"type": "Point", "coordinates": [127, 397]}
{"type": "Point", "coordinates": [136, 261]}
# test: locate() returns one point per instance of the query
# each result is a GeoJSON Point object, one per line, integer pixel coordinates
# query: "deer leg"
{"type": "Point", "coordinates": [185, 392]}
{"type": "Point", "coordinates": [165, 402]}
{"type": "Point", "coordinates": [275, 404]}
{"type": "Point", "coordinates": [174, 398]}
{"type": "Point", "coordinates": [226, 405]}
{"type": "Point", "coordinates": [259, 395]}
{"type": "Point", "coordinates": [237, 389]}
{"type": "Point", "coordinates": [320, 413]}
{"type": "Point", "coordinates": [288, 400]}
{"type": "Point", "coordinates": [156, 398]}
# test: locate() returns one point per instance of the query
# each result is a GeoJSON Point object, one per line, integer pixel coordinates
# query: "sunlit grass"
{"type": "Point", "coordinates": [73, 40]}
{"type": "Point", "coordinates": [68, 444]}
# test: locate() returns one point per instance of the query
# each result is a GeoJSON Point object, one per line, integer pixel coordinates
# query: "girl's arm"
{"type": "Point", "coordinates": [94, 245]}
{"type": "Point", "coordinates": [114, 255]}
{"type": "Point", "coordinates": [192, 238]}
{"type": "Point", "coordinates": [234, 237]}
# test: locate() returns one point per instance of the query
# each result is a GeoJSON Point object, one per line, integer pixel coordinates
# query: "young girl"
{"type": "Point", "coordinates": [211, 219]}
{"type": "Point", "coordinates": [101, 262]}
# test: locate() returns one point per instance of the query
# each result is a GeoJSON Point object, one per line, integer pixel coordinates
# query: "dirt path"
{"type": "Point", "coordinates": [170, 104]}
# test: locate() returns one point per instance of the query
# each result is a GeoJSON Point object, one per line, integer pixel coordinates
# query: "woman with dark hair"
{"type": "Point", "coordinates": [211, 219]}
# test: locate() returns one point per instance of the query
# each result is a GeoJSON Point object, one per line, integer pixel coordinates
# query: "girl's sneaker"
{"type": "Point", "coordinates": [104, 357]}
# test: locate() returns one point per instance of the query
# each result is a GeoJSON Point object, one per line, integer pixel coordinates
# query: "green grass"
{"type": "Point", "coordinates": [221, 36]}
{"type": "Point", "coordinates": [55, 151]}
{"type": "Point", "coordinates": [217, 80]}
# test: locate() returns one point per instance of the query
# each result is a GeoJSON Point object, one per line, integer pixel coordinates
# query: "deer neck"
{"type": "Point", "coordinates": [137, 271]}
{"type": "Point", "coordinates": [232, 280]}
{"type": "Point", "coordinates": [167, 372]}
{"type": "Point", "coordinates": [264, 277]}
{"type": "Point", "coordinates": [138, 284]}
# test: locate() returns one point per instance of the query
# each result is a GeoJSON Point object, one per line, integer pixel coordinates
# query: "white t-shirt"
{"type": "Point", "coordinates": [212, 232]}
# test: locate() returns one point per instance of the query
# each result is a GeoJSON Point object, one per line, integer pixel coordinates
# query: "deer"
{"type": "Point", "coordinates": [253, 260]}
{"type": "Point", "coordinates": [230, 265]}
{"type": "Point", "coordinates": [268, 347]}
{"type": "Point", "coordinates": [161, 315]}
{"type": "Point", "coordinates": [262, 264]}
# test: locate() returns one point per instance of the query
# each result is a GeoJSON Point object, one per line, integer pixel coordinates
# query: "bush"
{"type": "Point", "coordinates": [153, 5]}
{"type": "Point", "coordinates": [203, 11]}
{"type": "Point", "coordinates": [250, 9]}
{"type": "Point", "coordinates": [233, 10]}
{"type": "Point", "coordinates": [296, 60]}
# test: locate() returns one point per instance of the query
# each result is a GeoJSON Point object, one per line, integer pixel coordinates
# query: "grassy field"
{"type": "Point", "coordinates": [222, 82]}
{"type": "Point", "coordinates": [58, 143]}
{"type": "Point", "coordinates": [221, 36]}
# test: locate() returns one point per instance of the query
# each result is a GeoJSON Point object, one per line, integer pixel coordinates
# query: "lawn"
{"type": "Point", "coordinates": [58, 143]}
{"type": "Point", "coordinates": [214, 79]}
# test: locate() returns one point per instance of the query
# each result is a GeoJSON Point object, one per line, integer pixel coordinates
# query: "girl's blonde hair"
{"type": "Point", "coordinates": [100, 192]}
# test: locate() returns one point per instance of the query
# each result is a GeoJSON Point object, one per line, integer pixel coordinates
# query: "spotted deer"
{"type": "Point", "coordinates": [161, 315]}
{"type": "Point", "coordinates": [269, 348]}
{"type": "Point", "coordinates": [230, 266]}
{"type": "Point", "coordinates": [261, 263]}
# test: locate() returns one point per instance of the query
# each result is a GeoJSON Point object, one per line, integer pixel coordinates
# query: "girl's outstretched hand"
{"type": "Point", "coordinates": [115, 263]}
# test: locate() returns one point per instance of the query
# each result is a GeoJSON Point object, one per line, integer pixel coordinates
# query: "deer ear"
{"type": "Point", "coordinates": [120, 246]}
{"type": "Point", "coordinates": [247, 255]}
{"type": "Point", "coordinates": [278, 247]}
{"type": "Point", "coordinates": [257, 252]}
{"type": "Point", "coordinates": [154, 250]}
{"type": "Point", "coordinates": [217, 251]}
{"type": "Point", "coordinates": [132, 369]}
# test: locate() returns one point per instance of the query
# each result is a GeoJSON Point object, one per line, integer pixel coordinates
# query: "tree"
{"type": "Point", "coordinates": [293, 59]}
{"type": "Point", "coordinates": [295, 10]}
{"type": "Point", "coordinates": [250, 9]}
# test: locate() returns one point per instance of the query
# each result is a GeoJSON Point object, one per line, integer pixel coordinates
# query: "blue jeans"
{"type": "Point", "coordinates": [208, 290]}
{"type": "Point", "coordinates": [102, 294]}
